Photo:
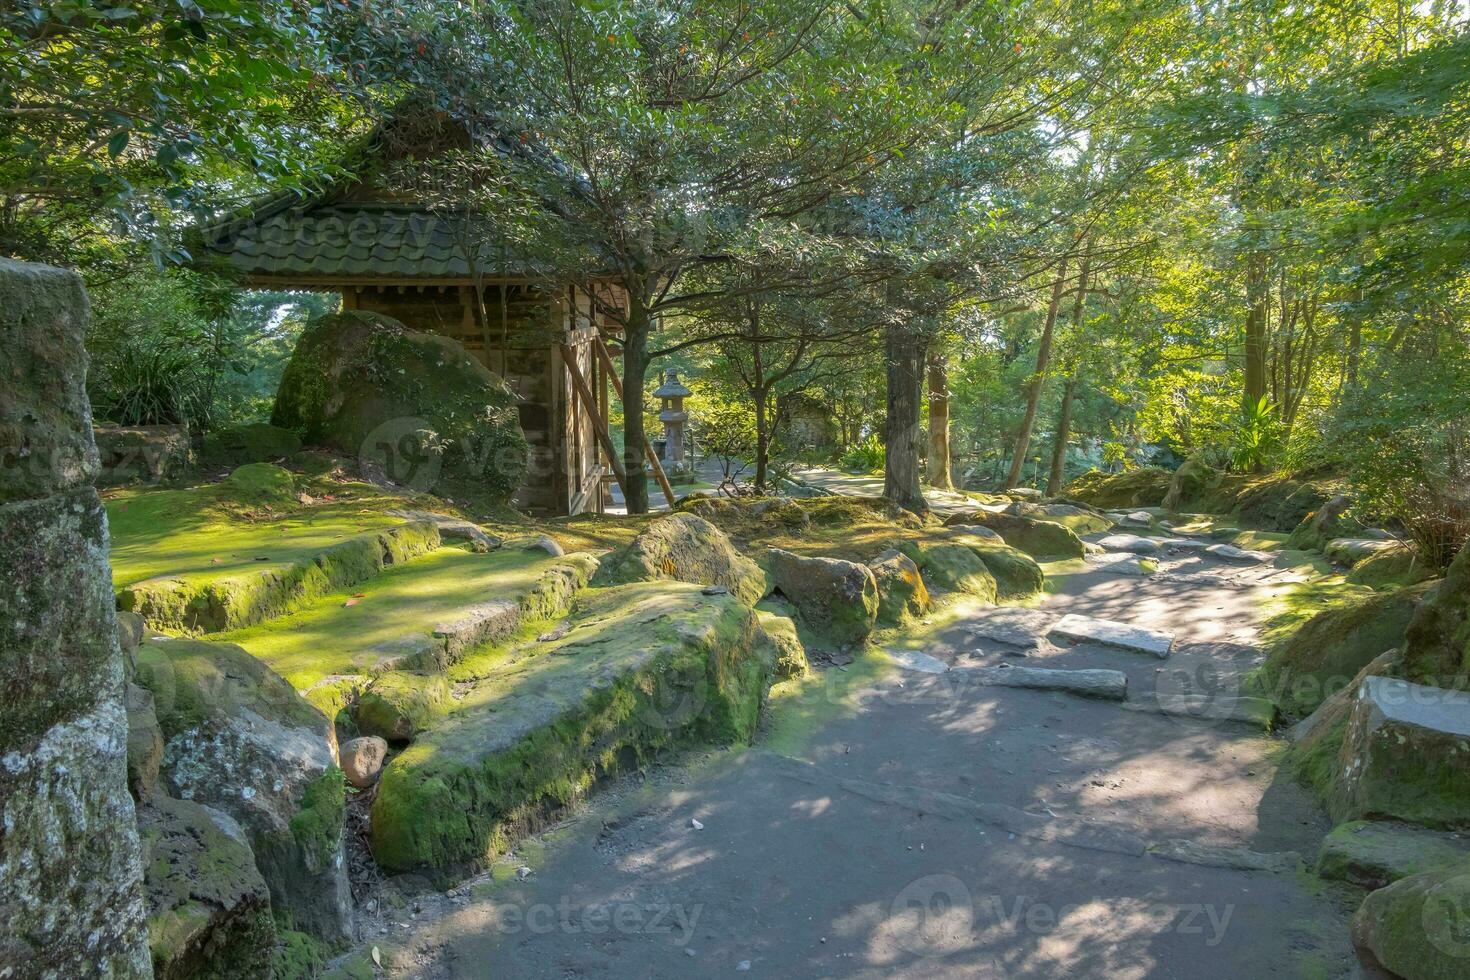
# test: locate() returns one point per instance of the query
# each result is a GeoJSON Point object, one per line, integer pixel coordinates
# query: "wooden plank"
{"type": "Point", "coordinates": [612, 373]}
{"type": "Point", "coordinates": [579, 383]}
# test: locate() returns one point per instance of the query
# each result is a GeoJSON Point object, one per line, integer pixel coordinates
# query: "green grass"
{"type": "Point", "coordinates": [328, 637]}
{"type": "Point", "coordinates": [185, 534]}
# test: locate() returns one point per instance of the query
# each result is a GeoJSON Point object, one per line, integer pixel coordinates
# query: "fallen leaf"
{"type": "Point", "coordinates": [350, 602]}
{"type": "Point", "coordinates": [377, 957]}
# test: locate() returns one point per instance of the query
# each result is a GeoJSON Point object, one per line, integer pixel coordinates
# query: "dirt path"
{"type": "Point", "coordinates": [943, 829]}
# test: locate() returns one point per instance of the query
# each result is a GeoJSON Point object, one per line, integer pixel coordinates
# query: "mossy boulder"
{"type": "Point", "coordinates": [1391, 568]}
{"type": "Point", "coordinates": [953, 567]}
{"type": "Point", "coordinates": [646, 666]}
{"type": "Point", "coordinates": [418, 406]}
{"type": "Point", "coordinates": [211, 603]}
{"type": "Point", "coordinates": [239, 738]}
{"type": "Point", "coordinates": [1016, 573]}
{"type": "Point", "coordinates": [398, 705]}
{"type": "Point", "coordinates": [1405, 756]}
{"type": "Point", "coordinates": [685, 548]}
{"type": "Point", "coordinates": [209, 912]}
{"type": "Point", "coordinates": [1142, 487]}
{"type": "Point", "coordinates": [838, 599]}
{"type": "Point", "coordinates": [1330, 521]}
{"type": "Point", "coordinates": [902, 595]}
{"type": "Point", "coordinates": [250, 442]}
{"type": "Point", "coordinates": [1079, 520]}
{"type": "Point", "coordinates": [1419, 927]}
{"type": "Point", "coordinates": [144, 453]}
{"type": "Point", "coordinates": [1316, 741]}
{"type": "Point", "coordinates": [1189, 484]}
{"type": "Point", "coordinates": [779, 644]}
{"type": "Point", "coordinates": [1325, 653]}
{"type": "Point", "coordinates": [1437, 641]}
{"type": "Point", "coordinates": [1279, 502]}
{"type": "Point", "coordinates": [1373, 854]}
{"type": "Point", "coordinates": [259, 485]}
{"type": "Point", "coordinates": [1046, 540]}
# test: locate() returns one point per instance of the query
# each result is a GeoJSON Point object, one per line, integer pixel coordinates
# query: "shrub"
{"type": "Point", "coordinates": [865, 456]}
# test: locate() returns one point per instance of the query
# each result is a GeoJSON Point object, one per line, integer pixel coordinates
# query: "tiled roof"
{"type": "Point", "coordinates": [357, 239]}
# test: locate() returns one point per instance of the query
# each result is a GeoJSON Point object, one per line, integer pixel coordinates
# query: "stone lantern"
{"type": "Point", "coordinates": [671, 413]}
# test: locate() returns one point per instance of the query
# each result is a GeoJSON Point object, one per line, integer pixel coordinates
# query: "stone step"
{"type": "Point", "coordinates": [1258, 712]}
{"type": "Point", "coordinates": [1114, 634]}
{"type": "Point", "coordinates": [1108, 685]}
{"type": "Point", "coordinates": [1374, 854]}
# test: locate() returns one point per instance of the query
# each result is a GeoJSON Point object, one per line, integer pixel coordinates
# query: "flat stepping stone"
{"type": "Point", "coordinates": [1137, 518]}
{"type": "Point", "coordinates": [1108, 685]}
{"type": "Point", "coordinates": [1229, 552]}
{"type": "Point", "coordinates": [1232, 858]}
{"type": "Point", "coordinates": [1124, 564]}
{"type": "Point", "coordinates": [454, 529]}
{"type": "Point", "coordinates": [1025, 628]}
{"type": "Point", "coordinates": [1132, 543]}
{"type": "Point", "coordinates": [486, 622]}
{"type": "Point", "coordinates": [1114, 634]}
{"type": "Point", "coordinates": [1374, 854]}
{"type": "Point", "coordinates": [1258, 712]}
{"type": "Point", "coordinates": [1350, 551]}
{"type": "Point", "coordinates": [921, 662]}
{"type": "Point", "coordinates": [1183, 544]}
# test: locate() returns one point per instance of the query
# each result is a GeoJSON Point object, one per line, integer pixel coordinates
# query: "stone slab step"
{"type": "Point", "coordinates": [1114, 634]}
{"type": "Point", "coordinates": [1107, 685]}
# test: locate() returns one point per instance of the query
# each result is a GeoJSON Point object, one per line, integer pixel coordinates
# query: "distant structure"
{"type": "Point", "coordinates": [672, 415]}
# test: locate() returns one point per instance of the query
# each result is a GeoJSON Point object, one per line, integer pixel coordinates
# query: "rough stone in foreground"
{"type": "Point", "coordinates": [398, 705]}
{"type": "Point", "coordinates": [362, 760]}
{"type": "Point", "coordinates": [1373, 854]}
{"type": "Point", "coordinates": [951, 567]}
{"type": "Point", "coordinates": [649, 665]}
{"type": "Point", "coordinates": [71, 901]}
{"type": "Point", "coordinates": [209, 913]}
{"type": "Point", "coordinates": [1016, 573]}
{"type": "Point", "coordinates": [686, 548]}
{"type": "Point", "coordinates": [1419, 927]}
{"type": "Point", "coordinates": [1405, 756]}
{"type": "Point", "coordinates": [780, 645]}
{"type": "Point", "coordinates": [1350, 551]}
{"type": "Point", "coordinates": [240, 738]}
{"type": "Point", "coordinates": [1112, 634]}
{"type": "Point", "coordinates": [1326, 523]}
{"type": "Point", "coordinates": [901, 592]}
{"type": "Point", "coordinates": [1039, 539]}
{"type": "Point", "coordinates": [839, 599]}
{"type": "Point", "coordinates": [1437, 641]}
{"type": "Point", "coordinates": [143, 453]}
{"type": "Point", "coordinates": [418, 406]}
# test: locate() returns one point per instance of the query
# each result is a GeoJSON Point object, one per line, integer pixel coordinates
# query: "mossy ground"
{"type": "Point", "coordinates": [328, 636]}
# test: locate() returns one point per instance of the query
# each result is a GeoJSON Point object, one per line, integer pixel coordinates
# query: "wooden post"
{"type": "Point", "coordinates": [611, 370]}
{"type": "Point", "coordinates": [569, 356]}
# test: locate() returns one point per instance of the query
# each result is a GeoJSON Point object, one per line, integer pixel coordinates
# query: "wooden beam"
{"type": "Point", "coordinates": [612, 373]}
{"type": "Point", "coordinates": [569, 355]}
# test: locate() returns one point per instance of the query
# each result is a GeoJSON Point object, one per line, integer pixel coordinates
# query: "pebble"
{"type": "Point", "coordinates": [742, 966]}
{"type": "Point", "coordinates": [695, 824]}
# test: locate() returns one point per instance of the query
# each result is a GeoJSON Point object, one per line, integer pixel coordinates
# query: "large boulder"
{"type": "Point", "coordinates": [901, 592]}
{"type": "Point", "coordinates": [239, 738]}
{"type": "Point", "coordinates": [1376, 853]}
{"type": "Point", "coordinates": [1325, 653]}
{"type": "Point", "coordinates": [1141, 487]}
{"type": "Point", "coordinates": [397, 705]}
{"type": "Point", "coordinates": [1188, 484]}
{"type": "Point", "coordinates": [1046, 540]}
{"type": "Point", "coordinates": [1419, 927]}
{"type": "Point", "coordinates": [780, 646]}
{"type": "Point", "coordinates": [1326, 523]}
{"type": "Point", "coordinates": [209, 911]}
{"type": "Point", "coordinates": [1405, 756]}
{"type": "Point", "coordinates": [837, 598]}
{"type": "Point", "coordinates": [1081, 520]}
{"type": "Point", "coordinates": [1437, 641]}
{"type": "Point", "coordinates": [72, 901]}
{"type": "Point", "coordinates": [1279, 503]}
{"type": "Point", "coordinates": [1016, 573]}
{"type": "Point", "coordinates": [141, 453]}
{"type": "Point", "coordinates": [686, 548]}
{"type": "Point", "coordinates": [1392, 568]}
{"type": "Point", "coordinates": [416, 406]}
{"type": "Point", "coordinates": [249, 442]}
{"type": "Point", "coordinates": [954, 567]}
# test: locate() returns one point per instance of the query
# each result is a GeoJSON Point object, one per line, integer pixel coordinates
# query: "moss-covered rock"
{"type": "Point", "coordinates": [1189, 484]}
{"type": "Point", "coordinates": [838, 599]}
{"type": "Point", "coordinates": [901, 592]}
{"type": "Point", "coordinates": [1419, 927]}
{"type": "Point", "coordinates": [209, 913]}
{"type": "Point", "coordinates": [1391, 568]}
{"type": "Point", "coordinates": [685, 548]}
{"type": "Point", "coordinates": [1142, 487]}
{"type": "Point", "coordinates": [145, 743]}
{"type": "Point", "coordinates": [142, 453]}
{"type": "Point", "coordinates": [1040, 539]}
{"type": "Point", "coordinates": [1437, 641]}
{"type": "Point", "coordinates": [398, 705]}
{"type": "Point", "coordinates": [241, 739]}
{"type": "Point", "coordinates": [1405, 756]}
{"type": "Point", "coordinates": [250, 442]}
{"type": "Point", "coordinates": [417, 405]}
{"type": "Point", "coordinates": [1332, 520]}
{"type": "Point", "coordinates": [1279, 503]}
{"type": "Point", "coordinates": [952, 567]}
{"type": "Point", "coordinates": [779, 644]}
{"type": "Point", "coordinates": [203, 603]}
{"type": "Point", "coordinates": [1316, 741]}
{"type": "Point", "coordinates": [1079, 520]}
{"type": "Point", "coordinates": [646, 666]}
{"type": "Point", "coordinates": [1373, 854]}
{"type": "Point", "coordinates": [1016, 573]}
{"type": "Point", "coordinates": [1325, 653]}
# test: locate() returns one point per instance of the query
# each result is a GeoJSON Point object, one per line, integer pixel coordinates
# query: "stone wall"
{"type": "Point", "coordinates": [70, 867]}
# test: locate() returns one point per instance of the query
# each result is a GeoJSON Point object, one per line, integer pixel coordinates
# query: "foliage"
{"type": "Point", "coordinates": [865, 456]}
{"type": "Point", "coordinates": [1257, 437]}
{"type": "Point", "coordinates": [725, 431]}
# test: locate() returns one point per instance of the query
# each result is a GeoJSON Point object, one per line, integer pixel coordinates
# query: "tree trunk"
{"type": "Point", "coordinates": [902, 432]}
{"type": "Point", "coordinates": [635, 368]}
{"type": "Point", "coordinates": [1058, 476]}
{"type": "Point", "coordinates": [762, 439]}
{"type": "Point", "coordinates": [939, 461]}
{"type": "Point", "coordinates": [1033, 386]}
{"type": "Point", "coordinates": [1255, 330]}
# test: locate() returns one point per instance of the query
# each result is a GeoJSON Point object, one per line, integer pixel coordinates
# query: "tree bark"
{"type": "Point", "coordinates": [939, 458]}
{"type": "Point", "coordinates": [902, 431]}
{"type": "Point", "coordinates": [635, 368]}
{"type": "Point", "coordinates": [1058, 476]}
{"type": "Point", "coordinates": [1033, 386]}
{"type": "Point", "coordinates": [1255, 330]}
{"type": "Point", "coordinates": [762, 438]}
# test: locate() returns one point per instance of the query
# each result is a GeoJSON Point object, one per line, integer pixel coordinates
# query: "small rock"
{"type": "Point", "coordinates": [362, 760]}
{"type": "Point", "coordinates": [690, 952]}
{"type": "Point", "coordinates": [715, 590]}
{"type": "Point", "coordinates": [742, 966]}
{"type": "Point", "coordinates": [695, 824]}
{"type": "Point", "coordinates": [522, 873]}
